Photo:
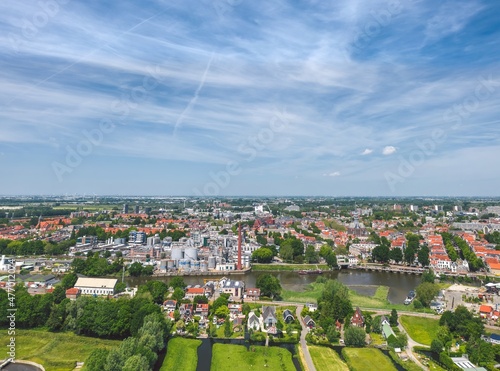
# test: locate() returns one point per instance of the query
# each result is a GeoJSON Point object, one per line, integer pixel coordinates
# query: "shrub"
{"type": "Point", "coordinates": [417, 304]}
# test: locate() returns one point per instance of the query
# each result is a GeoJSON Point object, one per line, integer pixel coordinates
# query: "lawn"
{"type": "Point", "coordinates": [182, 354]}
{"type": "Point", "coordinates": [226, 357]}
{"type": "Point", "coordinates": [326, 359]}
{"type": "Point", "coordinates": [377, 339]}
{"type": "Point", "coordinates": [55, 351]}
{"type": "Point", "coordinates": [422, 330]}
{"type": "Point", "coordinates": [379, 300]}
{"type": "Point", "coordinates": [310, 295]}
{"type": "Point", "coordinates": [362, 359]}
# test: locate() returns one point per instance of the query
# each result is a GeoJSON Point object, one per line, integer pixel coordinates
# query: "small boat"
{"type": "Point", "coordinates": [410, 297]}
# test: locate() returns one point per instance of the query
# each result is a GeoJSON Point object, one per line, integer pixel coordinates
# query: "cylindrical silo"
{"type": "Point", "coordinates": [195, 265]}
{"type": "Point", "coordinates": [191, 253]}
{"type": "Point", "coordinates": [211, 262]}
{"type": "Point", "coordinates": [177, 253]}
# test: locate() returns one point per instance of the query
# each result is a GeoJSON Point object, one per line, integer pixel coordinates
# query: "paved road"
{"type": "Point", "coordinates": [303, 345]}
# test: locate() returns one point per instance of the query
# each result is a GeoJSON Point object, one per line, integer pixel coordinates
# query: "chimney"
{"type": "Point", "coordinates": [238, 265]}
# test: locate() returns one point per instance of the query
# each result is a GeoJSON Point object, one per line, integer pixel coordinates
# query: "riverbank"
{"type": "Point", "coordinates": [176, 273]}
{"type": "Point", "coordinates": [288, 267]}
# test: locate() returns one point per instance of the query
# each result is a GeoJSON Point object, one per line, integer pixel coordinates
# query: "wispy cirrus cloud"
{"type": "Point", "coordinates": [221, 78]}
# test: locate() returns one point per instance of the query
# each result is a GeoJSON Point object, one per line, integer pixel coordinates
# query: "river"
{"type": "Point", "coordinates": [361, 281]}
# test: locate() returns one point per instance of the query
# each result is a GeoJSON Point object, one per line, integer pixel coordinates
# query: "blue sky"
{"type": "Point", "coordinates": [238, 97]}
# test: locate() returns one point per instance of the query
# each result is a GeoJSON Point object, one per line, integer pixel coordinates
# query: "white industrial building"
{"type": "Point", "coordinates": [96, 286]}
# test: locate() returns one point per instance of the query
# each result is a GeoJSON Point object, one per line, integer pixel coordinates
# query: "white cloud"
{"type": "Point", "coordinates": [335, 173]}
{"type": "Point", "coordinates": [388, 150]}
{"type": "Point", "coordinates": [367, 151]}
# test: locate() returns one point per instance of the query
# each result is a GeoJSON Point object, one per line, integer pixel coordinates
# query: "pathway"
{"type": "Point", "coordinates": [409, 349]}
{"type": "Point", "coordinates": [303, 345]}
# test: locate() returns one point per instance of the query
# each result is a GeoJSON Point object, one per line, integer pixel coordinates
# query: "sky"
{"type": "Point", "coordinates": [239, 97]}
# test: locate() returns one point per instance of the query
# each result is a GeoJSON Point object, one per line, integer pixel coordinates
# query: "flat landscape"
{"type": "Point", "coordinates": [362, 359]}
{"type": "Point", "coordinates": [181, 355]}
{"type": "Point", "coordinates": [420, 329]}
{"type": "Point", "coordinates": [326, 359]}
{"type": "Point", "coordinates": [228, 357]}
{"type": "Point", "coordinates": [55, 351]}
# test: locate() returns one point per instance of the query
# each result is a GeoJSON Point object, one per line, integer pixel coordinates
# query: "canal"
{"type": "Point", "coordinates": [361, 281]}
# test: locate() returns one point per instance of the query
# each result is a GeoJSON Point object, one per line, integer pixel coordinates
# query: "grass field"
{"type": "Point", "coordinates": [378, 301]}
{"type": "Point", "coordinates": [422, 330]}
{"type": "Point", "coordinates": [55, 351]}
{"type": "Point", "coordinates": [182, 354]}
{"type": "Point", "coordinates": [287, 267]}
{"type": "Point", "coordinates": [326, 359]}
{"type": "Point", "coordinates": [362, 359]}
{"type": "Point", "coordinates": [226, 357]}
{"type": "Point", "coordinates": [310, 294]}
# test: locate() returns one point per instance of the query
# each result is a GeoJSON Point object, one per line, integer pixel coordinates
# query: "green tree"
{"type": "Point", "coordinates": [377, 325]}
{"type": "Point", "coordinates": [59, 294]}
{"type": "Point", "coordinates": [178, 294]}
{"type": "Point", "coordinates": [96, 361]}
{"type": "Point", "coordinates": [332, 334]}
{"type": "Point", "coordinates": [355, 336]}
{"type": "Point", "coordinates": [402, 340]}
{"type": "Point", "coordinates": [120, 287]}
{"type": "Point", "coordinates": [262, 255]}
{"type": "Point", "coordinates": [324, 251]}
{"type": "Point", "coordinates": [269, 285]}
{"type": "Point", "coordinates": [428, 276]}
{"type": "Point", "coordinates": [221, 301]}
{"type": "Point", "coordinates": [409, 255]}
{"type": "Point", "coordinates": [286, 253]}
{"type": "Point", "coordinates": [436, 346]}
{"type": "Point", "coordinates": [228, 331]}
{"type": "Point", "coordinates": [396, 254]}
{"type": "Point", "coordinates": [423, 256]}
{"type": "Point", "coordinates": [222, 312]}
{"type": "Point", "coordinates": [443, 335]}
{"type": "Point", "coordinates": [426, 291]}
{"type": "Point", "coordinates": [79, 266]}
{"type": "Point", "coordinates": [135, 269]}
{"type": "Point", "coordinates": [177, 282]}
{"type": "Point", "coordinates": [200, 299]}
{"type": "Point", "coordinates": [331, 260]}
{"type": "Point", "coordinates": [393, 319]}
{"type": "Point", "coordinates": [135, 363]}
{"type": "Point", "coordinates": [69, 280]}
{"type": "Point", "coordinates": [158, 289]}
{"type": "Point", "coordinates": [114, 361]}
{"type": "Point", "coordinates": [311, 256]}
{"type": "Point", "coordinates": [262, 240]}
{"type": "Point", "coordinates": [381, 253]}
